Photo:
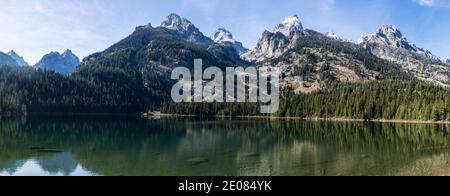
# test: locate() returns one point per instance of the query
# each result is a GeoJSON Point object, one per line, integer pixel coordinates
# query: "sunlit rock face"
{"type": "Point", "coordinates": [186, 29]}
{"type": "Point", "coordinates": [274, 43]}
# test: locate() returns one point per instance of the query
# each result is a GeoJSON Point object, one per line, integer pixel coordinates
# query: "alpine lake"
{"type": "Point", "coordinates": [137, 146]}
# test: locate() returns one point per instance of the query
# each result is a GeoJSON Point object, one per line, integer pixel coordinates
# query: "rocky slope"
{"type": "Point", "coordinates": [390, 44]}
{"type": "Point", "coordinates": [316, 60]}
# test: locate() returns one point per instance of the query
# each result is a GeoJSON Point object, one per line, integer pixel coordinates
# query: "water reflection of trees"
{"type": "Point", "coordinates": [131, 146]}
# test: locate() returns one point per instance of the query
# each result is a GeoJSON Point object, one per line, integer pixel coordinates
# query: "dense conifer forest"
{"type": "Point", "coordinates": [380, 100]}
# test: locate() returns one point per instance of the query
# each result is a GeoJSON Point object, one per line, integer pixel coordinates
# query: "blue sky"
{"type": "Point", "coordinates": [35, 27]}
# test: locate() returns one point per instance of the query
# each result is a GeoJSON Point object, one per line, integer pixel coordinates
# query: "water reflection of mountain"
{"type": "Point", "coordinates": [10, 167]}
{"type": "Point", "coordinates": [132, 146]}
{"type": "Point", "coordinates": [58, 163]}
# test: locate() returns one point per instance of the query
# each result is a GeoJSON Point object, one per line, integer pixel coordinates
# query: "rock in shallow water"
{"type": "Point", "coordinates": [197, 161]}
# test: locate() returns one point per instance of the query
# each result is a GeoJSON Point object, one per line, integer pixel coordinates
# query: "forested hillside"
{"type": "Point", "coordinates": [24, 89]}
{"type": "Point", "coordinates": [380, 100]}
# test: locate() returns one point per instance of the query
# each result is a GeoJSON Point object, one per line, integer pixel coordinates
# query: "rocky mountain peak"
{"type": "Point", "coordinates": [275, 43]}
{"type": "Point", "coordinates": [288, 25]}
{"type": "Point", "coordinates": [64, 63]}
{"type": "Point", "coordinates": [175, 22]}
{"type": "Point", "coordinates": [224, 37]}
{"type": "Point", "coordinates": [389, 43]}
{"type": "Point", "coordinates": [187, 30]}
{"type": "Point", "coordinates": [389, 35]}
{"type": "Point", "coordinates": [68, 53]}
{"type": "Point", "coordinates": [19, 59]}
{"type": "Point", "coordinates": [147, 26]}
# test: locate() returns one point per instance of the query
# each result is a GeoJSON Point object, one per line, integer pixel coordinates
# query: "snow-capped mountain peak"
{"type": "Point", "coordinates": [275, 43]}
{"type": "Point", "coordinates": [288, 25]}
{"type": "Point", "coordinates": [388, 35]}
{"type": "Point", "coordinates": [225, 37]}
{"type": "Point", "coordinates": [391, 36]}
{"type": "Point", "coordinates": [391, 31]}
{"type": "Point", "coordinates": [222, 35]}
{"type": "Point", "coordinates": [186, 29]}
{"type": "Point", "coordinates": [175, 22]}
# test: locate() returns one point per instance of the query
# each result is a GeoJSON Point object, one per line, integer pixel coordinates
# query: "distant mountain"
{"type": "Point", "coordinates": [224, 37]}
{"type": "Point", "coordinates": [390, 44]}
{"type": "Point", "coordinates": [185, 29]}
{"type": "Point", "coordinates": [273, 44]}
{"type": "Point", "coordinates": [20, 61]}
{"type": "Point", "coordinates": [5, 59]}
{"type": "Point", "coordinates": [64, 63]}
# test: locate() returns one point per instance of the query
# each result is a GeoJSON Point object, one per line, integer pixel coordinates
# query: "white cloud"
{"type": "Point", "coordinates": [434, 3]}
{"type": "Point", "coordinates": [427, 2]}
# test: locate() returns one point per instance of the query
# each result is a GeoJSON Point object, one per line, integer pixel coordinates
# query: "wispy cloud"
{"type": "Point", "coordinates": [427, 2]}
{"type": "Point", "coordinates": [434, 3]}
{"type": "Point", "coordinates": [33, 28]}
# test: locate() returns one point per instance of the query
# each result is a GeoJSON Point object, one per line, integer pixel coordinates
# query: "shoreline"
{"type": "Point", "coordinates": [312, 119]}
{"type": "Point", "coordinates": [157, 114]}
{"type": "Point", "coordinates": [350, 120]}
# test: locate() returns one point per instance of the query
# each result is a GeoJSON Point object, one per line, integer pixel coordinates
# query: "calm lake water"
{"type": "Point", "coordinates": [136, 146]}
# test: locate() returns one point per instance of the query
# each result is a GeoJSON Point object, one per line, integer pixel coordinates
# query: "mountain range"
{"type": "Point", "coordinates": [64, 63]}
{"type": "Point", "coordinates": [387, 43]}
{"type": "Point", "coordinates": [133, 75]}
{"type": "Point", "coordinates": [309, 60]}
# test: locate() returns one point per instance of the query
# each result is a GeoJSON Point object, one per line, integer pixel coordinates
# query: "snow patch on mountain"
{"type": "Point", "coordinates": [274, 44]}
{"type": "Point", "coordinates": [289, 25]}
{"type": "Point", "coordinates": [186, 29]}
{"type": "Point", "coordinates": [225, 37]}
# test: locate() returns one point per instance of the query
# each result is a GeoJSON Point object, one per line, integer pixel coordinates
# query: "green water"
{"type": "Point", "coordinates": [135, 146]}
